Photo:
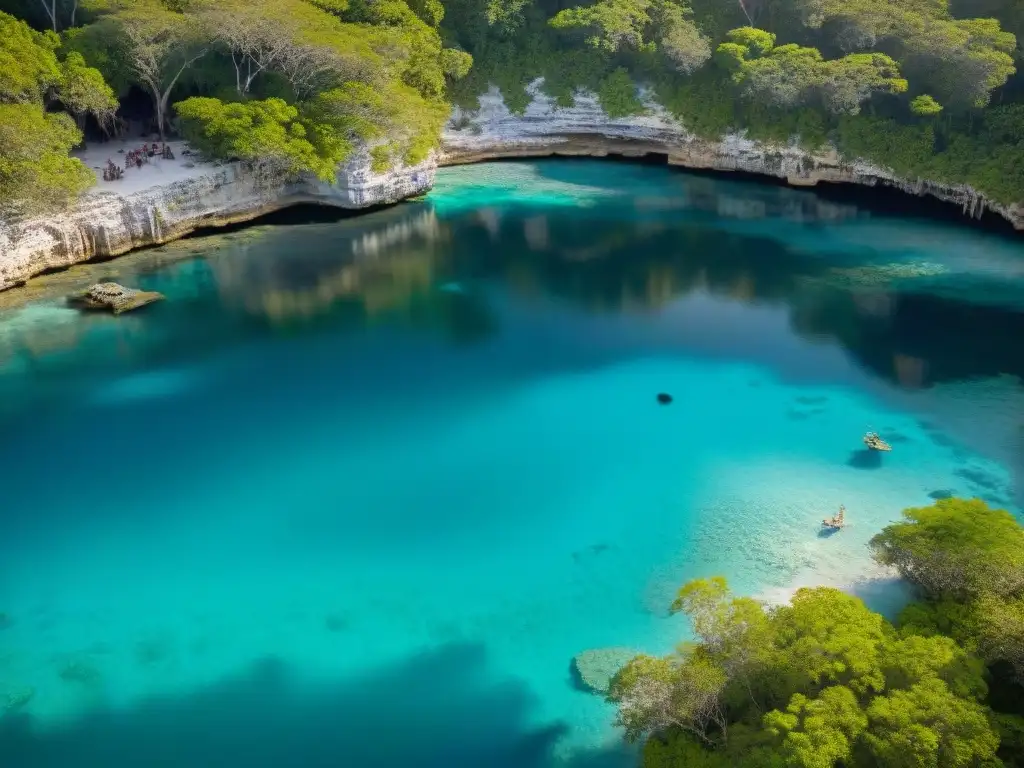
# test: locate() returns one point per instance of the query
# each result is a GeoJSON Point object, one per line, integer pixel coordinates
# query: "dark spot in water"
{"type": "Point", "coordinates": [798, 414]}
{"type": "Point", "coordinates": [80, 672]}
{"type": "Point", "coordinates": [592, 550]}
{"type": "Point", "coordinates": [336, 622]}
{"type": "Point", "coordinates": [980, 478]}
{"type": "Point", "coordinates": [664, 398]}
{"type": "Point", "coordinates": [5, 621]}
{"type": "Point", "coordinates": [754, 383]}
{"type": "Point", "coordinates": [942, 493]}
{"type": "Point", "coordinates": [940, 439]}
{"type": "Point", "coordinates": [151, 650]}
{"type": "Point", "coordinates": [825, 533]}
{"type": "Point", "coordinates": [865, 459]}
{"type": "Point", "coordinates": [811, 400]}
{"type": "Point", "coordinates": [896, 437]}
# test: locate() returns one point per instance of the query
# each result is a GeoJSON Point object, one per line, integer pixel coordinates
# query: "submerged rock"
{"type": "Point", "coordinates": [593, 670]}
{"type": "Point", "coordinates": [13, 699]}
{"type": "Point", "coordinates": [112, 297]}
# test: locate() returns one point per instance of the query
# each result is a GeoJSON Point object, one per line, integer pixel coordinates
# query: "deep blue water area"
{"type": "Point", "coordinates": [357, 491]}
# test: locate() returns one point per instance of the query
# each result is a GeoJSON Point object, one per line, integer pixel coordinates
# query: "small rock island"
{"type": "Point", "coordinates": [113, 298]}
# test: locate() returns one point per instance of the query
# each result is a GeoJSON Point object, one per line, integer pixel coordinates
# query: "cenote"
{"type": "Point", "coordinates": [358, 491]}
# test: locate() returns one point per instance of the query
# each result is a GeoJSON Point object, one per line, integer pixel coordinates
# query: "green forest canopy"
{"type": "Point", "coordinates": [928, 88]}
{"type": "Point", "coordinates": [825, 683]}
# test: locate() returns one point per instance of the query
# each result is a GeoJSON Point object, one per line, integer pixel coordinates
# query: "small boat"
{"type": "Point", "coordinates": [875, 443]}
{"type": "Point", "coordinates": [837, 521]}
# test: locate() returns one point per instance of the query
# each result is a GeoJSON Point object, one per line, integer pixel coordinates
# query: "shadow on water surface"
{"type": "Point", "coordinates": [435, 710]}
{"type": "Point", "coordinates": [865, 459]}
{"type": "Point", "coordinates": [879, 200]}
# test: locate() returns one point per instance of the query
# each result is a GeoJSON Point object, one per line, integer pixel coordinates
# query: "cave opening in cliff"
{"type": "Point", "coordinates": [895, 202]}
{"type": "Point", "coordinates": [294, 215]}
{"type": "Point", "coordinates": [626, 155]}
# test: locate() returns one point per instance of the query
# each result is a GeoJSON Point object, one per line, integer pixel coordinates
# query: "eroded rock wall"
{"type": "Point", "coordinates": [108, 223]}
{"type": "Point", "coordinates": [105, 224]}
{"type": "Point", "coordinates": [545, 128]}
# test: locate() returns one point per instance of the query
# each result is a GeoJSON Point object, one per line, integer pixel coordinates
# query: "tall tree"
{"type": "Point", "coordinates": [156, 44]}
{"type": "Point", "coordinates": [255, 35]}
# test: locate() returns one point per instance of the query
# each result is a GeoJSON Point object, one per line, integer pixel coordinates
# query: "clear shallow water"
{"type": "Point", "coordinates": [357, 492]}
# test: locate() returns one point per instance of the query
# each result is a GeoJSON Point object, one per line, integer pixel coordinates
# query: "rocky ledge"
{"type": "Point", "coordinates": [493, 132]}
{"type": "Point", "coordinates": [119, 217]}
{"type": "Point", "coordinates": [113, 298]}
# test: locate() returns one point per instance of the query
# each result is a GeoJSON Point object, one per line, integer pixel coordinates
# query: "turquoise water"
{"type": "Point", "coordinates": [357, 492]}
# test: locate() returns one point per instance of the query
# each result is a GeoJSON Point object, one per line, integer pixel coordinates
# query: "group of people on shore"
{"type": "Point", "coordinates": [138, 158]}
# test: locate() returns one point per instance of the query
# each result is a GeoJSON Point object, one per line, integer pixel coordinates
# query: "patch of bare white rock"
{"type": "Point", "coordinates": [168, 199]}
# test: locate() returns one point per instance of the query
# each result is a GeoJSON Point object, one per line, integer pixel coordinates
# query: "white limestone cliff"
{"type": "Point", "coordinates": [142, 210]}
{"type": "Point", "coordinates": [146, 208]}
{"type": "Point", "coordinates": [493, 132]}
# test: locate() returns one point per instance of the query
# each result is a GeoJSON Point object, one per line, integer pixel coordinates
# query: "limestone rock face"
{"type": "Point", "coordinates": [595, 669]}
{"type": "Point", "coordinates": [113, 298]}
{"type": "Point", "coordinates": [493, 132]}
{"type": "Point", "coordinates": [115, 220]}
{"type": "Point", "coordinates": [105, 224]}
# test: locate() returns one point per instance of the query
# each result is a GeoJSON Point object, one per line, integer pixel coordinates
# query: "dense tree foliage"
{"type": "Point", "coordinates": [35, 166]}
{"type": "Point", "coordinates": [292, 85]}
{"type": "Point", "coordinates": [967, 560]}
{"type": "Point", "coordinates": [927, 88]}
{"type": "Point", "coordinates": [919, 86]}
{"type": "Point", "coordinates": [824, 682]}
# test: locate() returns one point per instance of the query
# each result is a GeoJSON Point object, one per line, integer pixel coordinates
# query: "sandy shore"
{"type": "Point", "coordinates": [155, 173]}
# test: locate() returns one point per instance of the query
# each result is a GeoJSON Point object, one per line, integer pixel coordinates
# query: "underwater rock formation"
{"type": "Point", "coordinates": [15, 698]}
{"type": "Point", "coordinates": [493, 132]}
{"type": "Point", "coordinates": [594, 669]}
{"type": "Point", "coordinates": [105, 224]}
{"type": "Point", "coordinates": [112, 297]}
